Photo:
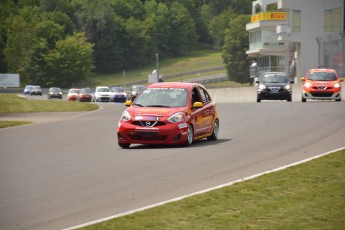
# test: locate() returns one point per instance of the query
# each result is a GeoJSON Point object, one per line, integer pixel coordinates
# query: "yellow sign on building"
{"type": "Point", "coordinates": [269, 16]}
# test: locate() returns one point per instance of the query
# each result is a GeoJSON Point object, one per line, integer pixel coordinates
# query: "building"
{"type": "Point", "coordinates": [295, 35]}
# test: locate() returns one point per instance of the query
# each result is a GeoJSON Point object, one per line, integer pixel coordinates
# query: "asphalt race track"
{"type": "Point", "coordinates": [67, 172]}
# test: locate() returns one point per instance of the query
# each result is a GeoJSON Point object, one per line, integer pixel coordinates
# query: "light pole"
{"type": "Point", "coordinates": [157, 66]}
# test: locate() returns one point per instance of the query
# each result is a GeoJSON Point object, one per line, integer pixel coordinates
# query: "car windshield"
{"type": "Point", "coordinates": [85, 91]}
{"type": "Point", "coordinates": [103, 90]}
{"type": "Point", "coordinates": [73, 91]}
{"type": "Point", "coordinates": [137, 88]}
{"type": "Point", "coordinates": [322, 76]}
{"type": "Point", "coordinates": [162, 97]}
{"type": "Point", "coordinates": [36, 87]}
{"type": "Point", "coordinates": [274, 78]}
{"type": "Point", "coordinates": [55, 89]}
{"type": "Point", "coordinates": [118, 90]}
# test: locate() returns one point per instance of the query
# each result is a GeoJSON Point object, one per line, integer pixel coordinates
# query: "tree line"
{"type": "Point", "coordinates": [59, 42]}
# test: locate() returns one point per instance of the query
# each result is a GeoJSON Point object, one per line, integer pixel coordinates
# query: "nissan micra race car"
{"type": "Point", "coordinates": [169, 113]}
{"type": "Point", "coordinates": [321, 84]}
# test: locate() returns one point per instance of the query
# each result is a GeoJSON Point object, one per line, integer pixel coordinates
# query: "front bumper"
{"type": "Point", "coordinates": [322, 95]}
{"type": "Point", "coordinates": [173, 133]}
{"type": "Point", "coordinates": [275, 95]}
{"type": "Point", "coordinates": [55, 96]}
{"type": "Point", "coordinates": [102, 99]}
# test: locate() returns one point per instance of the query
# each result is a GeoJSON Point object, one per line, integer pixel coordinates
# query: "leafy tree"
{"type": "Point", "coordinates": [218, 25]}
{"type": "Point", "coordinates": [106, 30]}
{"type": "Point", "coordinates": [183, 38]}
{"type": "Point", "coordinates": [69, 62]}
{"type": "Point", "coordinates": [20, 38]}
{"type": "Point", "coordinates": [137, 45]}
{"type": "Point", "coordinates": [234, 51]}
{"type": "Point", "coordinates": [158, 27]}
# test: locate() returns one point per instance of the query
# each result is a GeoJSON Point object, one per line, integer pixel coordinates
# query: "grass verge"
{"type": "Point", "coordinates": [307, 196]}
{"type": "Point", "coordinates": [11, 103]}
{"type": "Point", "coordinates": [6, 124]}
{"type": "Point", "coordinates": [200, 59]}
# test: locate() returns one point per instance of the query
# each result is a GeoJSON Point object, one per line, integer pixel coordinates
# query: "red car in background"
{"type": "Point", "coordinates": [169, 113]}
{"type": "Point", "coordinates": [321, 84]}
{"type": "Point", "coordinates": [85, 95]}
{"type": "Point", "coordinates": [72, 94]}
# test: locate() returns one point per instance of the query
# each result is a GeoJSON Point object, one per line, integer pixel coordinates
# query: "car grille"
{"type": "Point", "coordinates": [321, 87]}
{"type": "Point", "coordinates": [148, 123]}
{"type": "Point", "coordinates": [322, 94]}
{"type": "Point", "coordinates": [147, 136]}
{"type": "Point", "coordinates": [275, 89]}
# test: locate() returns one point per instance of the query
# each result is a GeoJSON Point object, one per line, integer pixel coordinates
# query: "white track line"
{"type": "Point", "coordinates": [200, 192]}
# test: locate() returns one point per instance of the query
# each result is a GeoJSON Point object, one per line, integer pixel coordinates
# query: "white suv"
{"type": "Point", "coordinates": [102, 94]}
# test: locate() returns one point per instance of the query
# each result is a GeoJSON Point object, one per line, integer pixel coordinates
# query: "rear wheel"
{"type": "Point", "coordinates": [124, 145]}
{"type": "Point", "coordinates": [215, 132]}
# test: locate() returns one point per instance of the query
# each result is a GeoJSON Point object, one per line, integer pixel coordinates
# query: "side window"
{"type": "Point", "coordinates": [205, 97]}
{"type": "Point", "coordinates": [195, 96]}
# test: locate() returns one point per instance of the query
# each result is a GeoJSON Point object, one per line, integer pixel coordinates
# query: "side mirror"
{"type": "Point", "coordinates": [128, 103]}
{"type": "Point", "coordinates": [197, 105]}
{"type": "Point", "coordinates": [341, 80]}
{"type": "Point", "coordinates": [257, 82]}
{"type": "Point", "coordinates": [302, 79]}
{"type": "Point", "coordinates": [292, 82]}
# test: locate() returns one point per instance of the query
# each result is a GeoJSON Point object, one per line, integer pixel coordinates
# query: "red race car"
{"type": "Point", "coordinates": [169, 113]}
{"type": "Point", "coordinates": [322, 84]}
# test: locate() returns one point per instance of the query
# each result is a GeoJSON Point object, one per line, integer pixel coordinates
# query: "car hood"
{"type": "Point", "coordinates": [322, 83]}
{"type": "Point", "coordinates": [275, 84]}
{"type": "Point", "coordinates": [153, 111]}
{"type": "Point", "coordinates": [103, 93]}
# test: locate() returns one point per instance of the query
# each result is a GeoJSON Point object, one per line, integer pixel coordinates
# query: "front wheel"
{"type": "Point", "coordinates": [190, 136]}
{"type": "Point", "coordinates": [124, 145]}
{"type": "Point", "coordinates": [303, 99]}
{"type": "Point", "coordinates": [258, 98]}
{"type": "Point", "coordinates": [215, 132]}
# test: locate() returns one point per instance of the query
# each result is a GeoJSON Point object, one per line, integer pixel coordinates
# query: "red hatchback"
{"type": "Point", "coordinates": [169, 113]}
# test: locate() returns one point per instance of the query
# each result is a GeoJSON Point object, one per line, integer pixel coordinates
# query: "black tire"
{"type": "Point", "coordinates": [339, 99]}
{"type": "Point", "coordinates": [215, 131]}
{"type": "Point", "coordinates": [303, 99]}
{"type": "Point", "coordinates": [124, 145]}
{"type": "Point", "coordinates": [258, 98]}
{"type": "Point", "coordinates": [190, 136]}
{"type": "Point", "coordinates": [289, 99]}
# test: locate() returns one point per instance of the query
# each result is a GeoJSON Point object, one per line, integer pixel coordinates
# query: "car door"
{"type": "Point", "coordinates": [208, 110]}
{"type": "Point", "coordinates": [202, 117]}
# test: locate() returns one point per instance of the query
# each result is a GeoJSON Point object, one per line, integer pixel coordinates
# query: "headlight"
{"type": "Point", "coordinates": [336, 85]}
{"type": "Point", "coordinates": [287, 87]}
{"type": "Point", "coordinates": [307, 84]}
{"type": "Point", "coordinates": [125, 116]}
{"type": "Point", "coordinates": [177, 117]}
{"type": "Point", "coordinates": [261, 87]}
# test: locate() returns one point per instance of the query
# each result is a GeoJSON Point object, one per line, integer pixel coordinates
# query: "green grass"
{"type": "Point", "coordinates": [6, 124]}
{"type": "Point", "coordinates": [200, 59]}
{"type": "Point", "coordinates": [306, 196]}
{"type": "Point", "coordinates": [11, 103]}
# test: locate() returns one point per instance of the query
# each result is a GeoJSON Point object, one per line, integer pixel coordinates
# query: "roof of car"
{"type": "Point", "coordinates": [323, 70]}
{"type": "Point", "coordinates": [184, 85]}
